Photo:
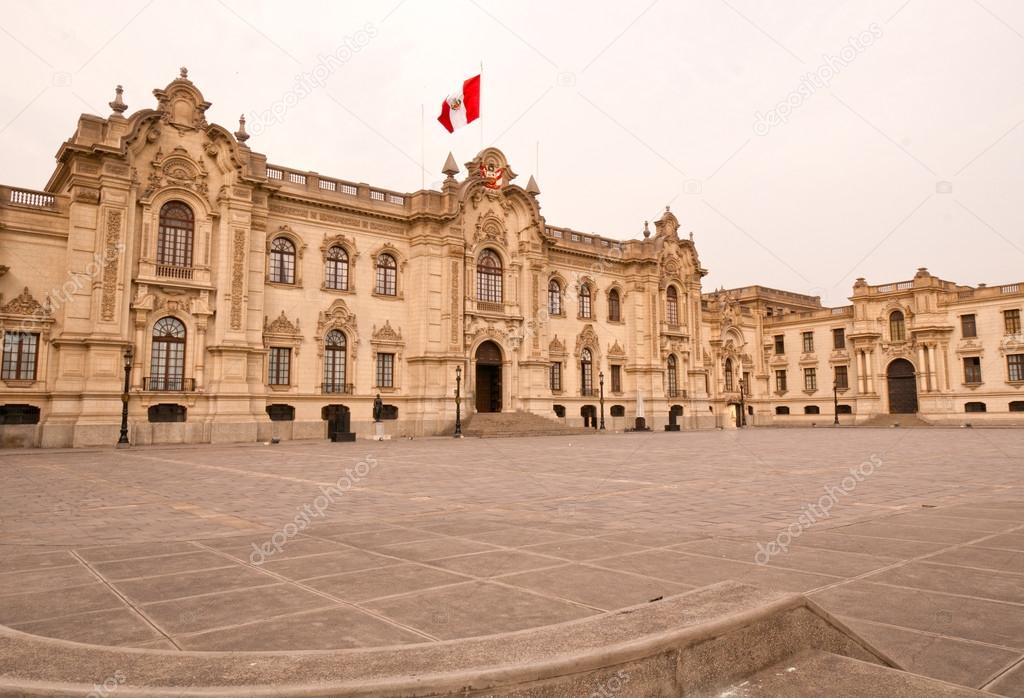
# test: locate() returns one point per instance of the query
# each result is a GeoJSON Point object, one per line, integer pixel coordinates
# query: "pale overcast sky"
{"type": "Point", "coordinates": [903, 151]}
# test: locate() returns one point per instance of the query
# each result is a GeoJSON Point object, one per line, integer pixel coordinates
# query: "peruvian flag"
{"type": "Point", "coordinates": [462, 106]}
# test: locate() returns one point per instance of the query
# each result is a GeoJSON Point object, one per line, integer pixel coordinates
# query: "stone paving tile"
{"type": "Point", "coordinates": [309, 566]}
{"type": "Point", "coordinates": [884, 529]}
{"type": "Point", "coordinates": [495, 563]}
{"type": "Point", "coordinates": [845, 564]}
{"type": "Point", "coordinates": [118, 626]}
{"type": "Point", "coordinates": [197, 613]}
{"type": "Point", "coordinates": [992, 622]}
{"type": "Point", "coordinates": [1011, 683]}
{"type": "Point", "coordinates": [1006, 541]}
{"type": "Point", "coordinates": [164, 564]}
{"type": "Point", "coordinates": [329, 628]}
{"type": "Point", "coordinates": [583, 548]}
{"type": "Point", "coordinates": [134, 550]}
{"type": "Point", "coordinates": [902, 549]}
{"type": "Point", "coordinates": [175, 586]}
{"type": "Point", "coordinates": [956, 661]}
{"type": "Point", "coordinates": [453, 612]}
{"type": "Point", "coordinates": [434, 549]}
{"type": "Point", "coordinates": [984, 558]}
{"type": "Point", "coordinates": [985, 584]}
{"type": "Point", "coordinates": [653, 538]}
{"type": "Point", "coordinates": [386, 581]}
{"type": "Point", "coordinates": [41, 605]}
{"type": "Point", "coordinates": [516, 537]}
{"type": "Point", "coordinates": [390, 536]}
{"type": "Point", "coordinates": [956, 523]}
{"type": "Point", "coordinates": [35, 561]}
{"type": "Point", "coordinates": [45, 579]}
{"type": "Point", "coordinates": [604, 589]}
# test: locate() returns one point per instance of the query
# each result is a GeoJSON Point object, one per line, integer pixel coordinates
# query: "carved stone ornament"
{"type": "Point", "coordinates": [587, 338]}
{"type": "Point", "coordinates": [338, 317]}
{"type": "Point", "coordinates": [616, 349]}
{"type": "Point", "coordinates": [281, 325]}
{"type": "Point", "coordinates": [177, 169]}
{"type": "Point", "coordinates": [386, 333]}
{"type": "Point", "coordinates": [24, 304]}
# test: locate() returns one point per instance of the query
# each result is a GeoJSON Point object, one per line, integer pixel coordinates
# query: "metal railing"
{"type": "Point", "coordinates": [329, 388]}
{"type": "Point", "coordinates": [174, 272]}
{"type": "Point", "coordinates": [172, 385]}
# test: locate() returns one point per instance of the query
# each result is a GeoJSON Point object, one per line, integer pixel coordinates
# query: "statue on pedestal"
{"type": "Point", "coordinates": [378, 408]}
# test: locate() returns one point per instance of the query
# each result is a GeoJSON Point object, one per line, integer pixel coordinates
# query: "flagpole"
{"type": "Point", "coordinates": [481, 104]}
{"type": "Point", "coordinates": [423, 151]}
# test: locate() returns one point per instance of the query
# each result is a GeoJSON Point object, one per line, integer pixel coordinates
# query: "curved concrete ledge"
{"type": "Point", "coordinates": [699, 640]}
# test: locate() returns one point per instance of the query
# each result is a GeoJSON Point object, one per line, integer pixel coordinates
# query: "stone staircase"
{"type": "Point", "coordinates": [895, 420]}
{"type": "Point", "coordinates": [506, 424]}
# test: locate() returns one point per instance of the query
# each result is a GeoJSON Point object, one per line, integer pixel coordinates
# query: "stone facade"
{"type": "Point", "coordinates": [259, 300]}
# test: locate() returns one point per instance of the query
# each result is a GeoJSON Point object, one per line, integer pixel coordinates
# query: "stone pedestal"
{"type": "Point", "coordinates": [378, 432]}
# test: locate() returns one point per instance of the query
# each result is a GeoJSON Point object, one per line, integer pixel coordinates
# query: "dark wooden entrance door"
{"type": "Point", "coordinates": [902, 382]}
{"type": "Point", "coordinates": [488, 378]}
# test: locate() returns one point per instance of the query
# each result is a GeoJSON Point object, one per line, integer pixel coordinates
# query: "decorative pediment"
{"type": "Point", "coordinates": [387, 334]}
{"type": "Point", "coordinates": [177, 169]}
{"type": "Point", "coordinates": [25, 304]}
{"type": "Point", "coordinates": [616, 349]}
{"type": "Point", "coordinates": [182, 105]}
{"type": "Point", "coordinates": [490, 229]}
{"type": "Point", "coordinates": [338, 317]}
{"type": "Point", "coordinates": [556, 346]}
{"type": "Point", "coordinates": [339, 241]}
{"type": "Point", "coordinates": [587, 338]}
{"type": "Point", "coordinates": [281, 325]}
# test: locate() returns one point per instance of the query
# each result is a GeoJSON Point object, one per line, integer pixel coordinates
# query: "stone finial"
{"type": "Point", "coordinates": [647, 231]}
{"type": "Point", "coordinates": [450, 167]}
{"type": "Point", "coordinates": [183, 73]}
{"type": "Point", "coordinates": [531, 187]}
{"type": "Point", "coordinates": [240, 134]}
{"type": "Point", "coordinates": [118, 104]}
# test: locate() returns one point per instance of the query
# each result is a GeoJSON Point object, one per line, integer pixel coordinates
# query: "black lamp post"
{"type": "Point", "coordinates": [122, 441]}
{"type": "Point", "coordinates": [743, 402]}
{"type": "Point", "coordinates": [835, 402]}
{"type": "Point", "coordinates": [600, 381]}
{"type": "Point", "coordinates": [458, 402]}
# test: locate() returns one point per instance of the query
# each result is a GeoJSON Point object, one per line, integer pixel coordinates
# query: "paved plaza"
{"type": "Point", "coordinates": [913, 537]}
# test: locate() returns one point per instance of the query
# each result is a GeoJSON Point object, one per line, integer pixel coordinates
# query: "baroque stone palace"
{"type": "Point", "coordinates": [257, 301]}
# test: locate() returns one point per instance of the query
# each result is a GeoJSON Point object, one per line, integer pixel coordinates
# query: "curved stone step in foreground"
{"type": "Point", "coordinates": [691, 644]}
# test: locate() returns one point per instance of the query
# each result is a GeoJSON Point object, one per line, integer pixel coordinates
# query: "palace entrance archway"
{"type": "Point", "coordinates": [902, 381]}
{"type": "Point", "coordinates": [488, 377]}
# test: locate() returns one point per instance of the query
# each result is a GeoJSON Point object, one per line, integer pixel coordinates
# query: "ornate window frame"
{"type": "Point", "coordinates": [300, 248]}
{"type": "Point", "coordinates": [388, 340]}
{"type": "Point", "coordinates": [338, 317]}
{"type": "Point", "coordinates": [349, 246]}
{"type": "Point", "coordinates": [282, 333]}
{"type": "Point", "coordinates": [23, 313]}
{"type": "Point", "coordinates": [400, 265]}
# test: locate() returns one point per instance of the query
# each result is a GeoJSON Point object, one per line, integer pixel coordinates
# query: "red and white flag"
{"type": "Point", "coordinates": [462, 106]}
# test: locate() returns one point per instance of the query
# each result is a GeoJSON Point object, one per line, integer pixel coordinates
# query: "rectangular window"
{"type": "Point", "coordinates": [616, 379]}
{"type": "Point", "coordinates": [20, 352]}
{"type": "Point", "coordinates": [780, 344]}
{"type": "Point", "coordinates": [972, 369]}
{"type": "Point", "coordinates": [1015, 367]}
{"type": "Point", "coordinates": [745, 386]}
{"type": "Point", "coordinates": [968, 326]}
{"type": "Point", "coordinates": [780, 381]}
{"type": "Point", "coordinates": [839, 338]}
{"type": "Point", "coordinates": [556, 377]}
{"type": "Point", "coordinates": [810, 379]}
{"type": "Point", "coordinates": [808, 342]}
{"type": "Point", "coordinates": [279, 370]}
{"type": "Point", "coordinates": [842, 378]}
{"type": "Point", "coordinates": [385, 370]}
{"type": "Point", "coordinates": [1012, 320]}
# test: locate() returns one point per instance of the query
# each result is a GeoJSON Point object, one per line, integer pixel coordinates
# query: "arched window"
{"type": "Point", "coordinates": [728, 374]}
{"type": "Point", "coordinates": [174, 238]}
{"type": "Point", "coordinates": [975, 407]}
{"type": "Point", "coordinates": [554, 298]}
{"type": "Point", "coordinates": [897, 327]}
{"type": "Point", "coordinates": [811, 409]}
{"type": "Point", "coordinates": [586, 372]}
{"type": "Point", "coordinates": [672, 375]}
{"type": "Point", "coordinates": [167, 363]}
{"type": "Point", "coordinates": [334, 362]}
{"type": "Point", "coordinates": [488, 277]}
{"type": "Point", "coordinates": [781, 410]}
{"type": "Point", "coordinates": [282, 261]}
{"type": "Point", "coordinates": [1017, 406]}
{"type": "Point", "coordinates": [614, 307]}
{"type": "Point", "coordinates": [387, 275]}
{"type": "Point", "coordinates": [585, 300]}
{"type": "Point", "coordinates": [336, 272]}
{"type": "Point", "coordinates": [671, 306]}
